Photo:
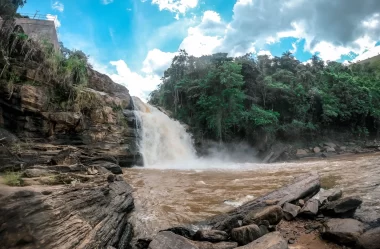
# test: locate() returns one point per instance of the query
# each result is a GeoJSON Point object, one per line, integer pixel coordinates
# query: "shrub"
{"type": "Point", "coordinates": [13, 178]}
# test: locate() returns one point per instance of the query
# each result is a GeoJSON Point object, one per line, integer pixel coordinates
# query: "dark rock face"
{"type": "Point", "coordinates": [86, 216]}
{"type": "Point", "coordinates": [246, 234]}
{"type": "Point", "coordinates": [143, 243]}
{"type": "Point", "coordinates": [211, 235]}
{"type": "Point", "coordinates": [169, 240]}
{"type": "Point", "coordinates": [112, 167]}
{"type": "Point", "coordinates": [183, 231]}
{"type": "Point", "coordinates": [370, 239]}
{"type": "Point", "coordinates": [272, 214]}
{"type": "Point", "coordinates": [343, 206]}
{"type": "Point", "coordinates": [343, 231]}
{"type": "Point", "coordinates": [290, 211]}
{"type": "Point", "coordinates": [269, 241]}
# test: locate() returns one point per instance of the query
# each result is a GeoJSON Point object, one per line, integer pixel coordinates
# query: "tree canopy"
{"type": "Point", "coordinates": [252, 98]}
{"type": "Point", "coordinates": [8, 8]}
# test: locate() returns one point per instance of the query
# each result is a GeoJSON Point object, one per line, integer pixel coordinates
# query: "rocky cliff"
{"type": "Point", "coordinates": [65, 132]}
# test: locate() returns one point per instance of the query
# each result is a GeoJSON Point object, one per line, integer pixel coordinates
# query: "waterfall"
{"type": "Point", "coordinates": [161, 139]}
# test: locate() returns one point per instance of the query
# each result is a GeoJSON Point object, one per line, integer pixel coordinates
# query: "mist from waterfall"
{"type": "Point", "coordinates": [165, 143]}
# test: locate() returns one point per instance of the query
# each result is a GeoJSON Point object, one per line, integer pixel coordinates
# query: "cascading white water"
{"type": "Point", "coordinates": [162, 140]}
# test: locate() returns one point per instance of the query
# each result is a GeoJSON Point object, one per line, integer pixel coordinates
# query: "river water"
{"type": "Point", "coordinates": [166, 197]}
{"type": "Point", "coordinates": [175, 187]}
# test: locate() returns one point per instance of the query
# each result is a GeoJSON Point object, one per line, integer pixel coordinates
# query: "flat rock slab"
{"type": "Point", "coordinates": [246, 234]}
{"type": "Point", "coordinates": [269, 241]}
{"type": "Point", "coordinates": [370, 239]}
{"type": "Point", "coordinates": [169, 240]}
{"type": "Point", "coordinates": [211, 235]}
{"type": "Point", "coordinates": [272, 214]}
{"type": "Point", "coordinates": [341, 206]}
{"type": "Point", "coordinates": [343, 231]}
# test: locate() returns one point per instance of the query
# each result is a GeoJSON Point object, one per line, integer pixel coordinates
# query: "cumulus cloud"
{"type": "Point", "coordinates": [329, 28]}
{"type": "Point", "coordinates": [175, 6]}
{"type": "Point", "coordinates": [137, 84]}
{"type": "Point", "coordinates": [368, 54]}
{"type": "Point", "coordinates": [58, 6]}
{"type": "Point", "coordinates": [156, 62]}
{"type": "Point", "coordinates": [54, 18]}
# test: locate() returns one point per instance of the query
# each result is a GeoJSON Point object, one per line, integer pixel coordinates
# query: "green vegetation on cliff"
{"type": "Point", "coordinates": [256, 98]}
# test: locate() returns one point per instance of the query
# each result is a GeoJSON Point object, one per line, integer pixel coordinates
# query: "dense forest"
{"type": "Point", "coordinates": [253, 98]}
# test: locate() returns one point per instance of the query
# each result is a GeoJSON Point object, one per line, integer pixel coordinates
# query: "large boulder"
{"type": "Point", "coordinates": [246, 234]}
{"type": "Point", "coordinates": [310, 208]}
{"type": "Point", "coordinates": [269, 241]}
{"type": "Point", "coordinates": [329, 195]}
{"type": "Point", "coordinates": [370, 239]}
{"type": "Point", "coordinates": [169, 240]}
{"type": "Point", "coordinates": [342, 206]}
{"type": "Point", "coordinates": [211, 235]}
{"type": "Point", "coordinates": [290, 211]}
{"type": "Point", "coordinates": [113, 167]}
{"type": "Point", "coordinates": [343, 231]}
{"type": "Point", "coordinates": [229, 223]}
{"type": "Point", "coordinates": [272, 214]}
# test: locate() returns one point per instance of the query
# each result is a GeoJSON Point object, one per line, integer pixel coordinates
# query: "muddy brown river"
{"type": "Point", "coordinates": [169, 197]}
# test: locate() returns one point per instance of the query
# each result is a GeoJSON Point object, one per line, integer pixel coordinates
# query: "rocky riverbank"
{"type": "Point", "coordinates": [291, 215]}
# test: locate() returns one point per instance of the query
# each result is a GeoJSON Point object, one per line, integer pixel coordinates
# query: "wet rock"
{"type": "Point", "coordinates": [273, 214]}
{"type": "Point", "coordinates": [329, 149]}
{"type": "Point", "coordinates": [301, 203]}
{"type": "Point", "coordinates": [114, 168]}
{"type": "Point", "coordinates": [301, 153]}
{"type": "Point", "coordinates": [328, 195]}
{"type": "Point", "coordinates": [125, 239]}
{"type": "Point", "coordinates": [143, 243]}
{"type": "Point", "coordinates": [246, 234]}
{"type": "Point", "coordinates": [269, 241]}
{"type": "Point", "coordinates": [183, 231]}
{"type": "Point", "coordinates": [228, 223]}
{"type": "Point", "coordinates": [311, 208]}
{"type": "Point", "coordinates": [342, 206]}
{"type": "Point", "coordinates": [329, 144]}
{"type": "Point", "coordinates": [211, 235]}
{"type": "Point", "coordinates": [290, 211]}
{"type": "Point", "coordinates": [169, 240]}
{"type": "Point", "coordinates": [343, 231]}
{"type": "Point", "coordinates": [317, 150]}
{"type": "Point", "coordinates": [370, 239]}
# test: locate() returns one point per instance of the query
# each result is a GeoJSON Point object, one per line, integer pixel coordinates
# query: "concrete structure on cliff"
{"type": "Point", "coordinates": [39, 29]}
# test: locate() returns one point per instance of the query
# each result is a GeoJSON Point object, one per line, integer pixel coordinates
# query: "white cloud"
{"type": "Point", "coordinates": [156, 62]}
{"type": "Point", "coordinates": [54, 18]}
{"type": "Point", "coordinates": [368, 54]}
{"type": "Point", "coordinates": [58, 6]}
{"type": "Point", "coordinates": [137, 84]}
{"type": "Point", "coordinates": [105, 2]}
{"type": "Point", "coordinates": [175, 6]}
{"type": "Point", "coordinates": [265, 52]}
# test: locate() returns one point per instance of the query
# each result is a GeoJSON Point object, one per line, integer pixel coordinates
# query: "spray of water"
{"type": "Point", "coordinates": [164, 143]}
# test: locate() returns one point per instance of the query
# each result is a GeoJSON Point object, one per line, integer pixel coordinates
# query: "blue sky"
{"type": "Point", "coordinates": [133, 41]}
